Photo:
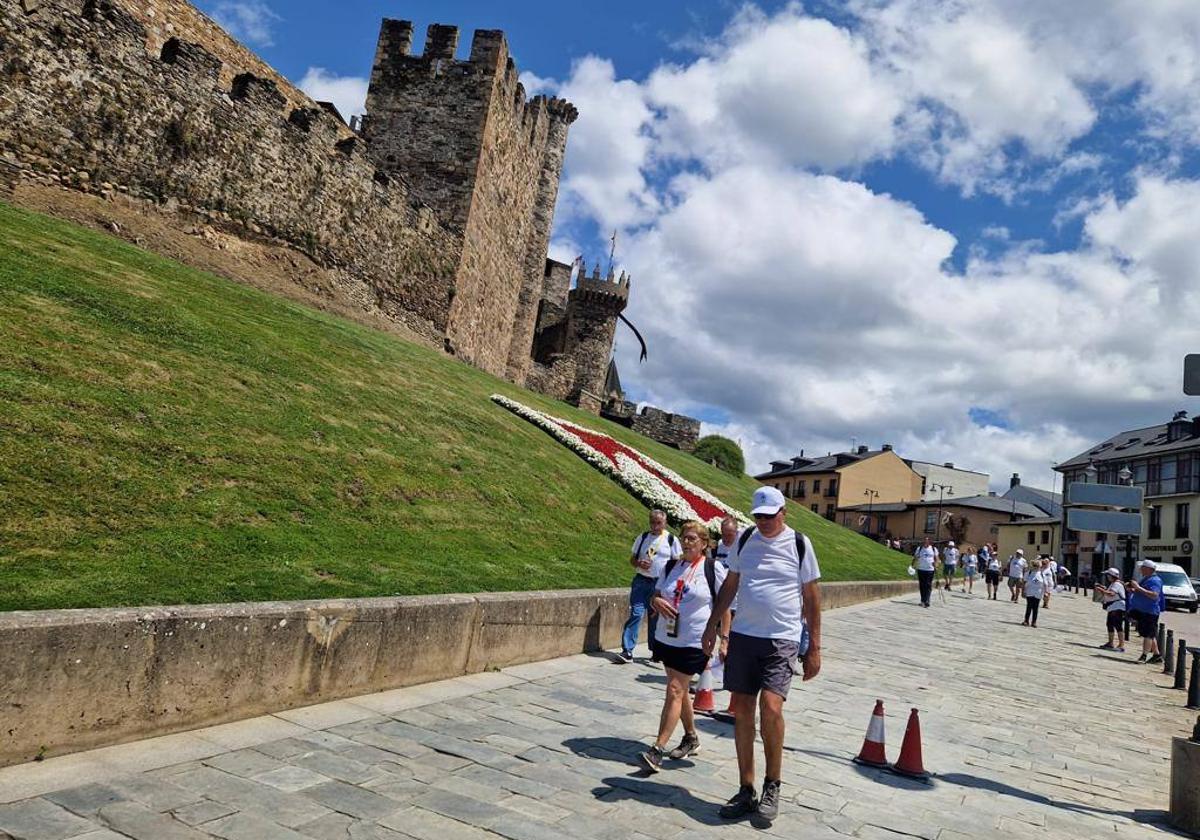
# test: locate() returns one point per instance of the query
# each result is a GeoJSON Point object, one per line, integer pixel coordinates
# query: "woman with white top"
{"type": "Point", "coordinates": [683, 599]}
{"type": "Point", "coordinates": [992, 575]}
{"type": "Point", "coordinates": [1035, 584]}
{"type": "Point", "coordinates": [1114, 609]}
{"type": "Point", "coordinates": [924, 562]}
{"type": "Point", "coordinates": [970, 569]}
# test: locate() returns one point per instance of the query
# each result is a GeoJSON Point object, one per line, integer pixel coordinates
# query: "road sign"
{"type": "Point", "coordinates": [1104, 495]}
{"type": "Point", "coordinates": [1106, 521]}
{"type": "Point", "coordinates": [1191, 374]}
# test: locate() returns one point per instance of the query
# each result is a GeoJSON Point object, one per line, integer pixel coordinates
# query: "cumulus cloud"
{"type": "Point", "coordinates": [252, 21]}
{"type": "Point", "coordinates": [347, 93]}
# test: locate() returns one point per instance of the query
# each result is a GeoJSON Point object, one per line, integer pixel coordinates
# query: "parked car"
{"type": "Point", "coordinates": [1177, 588]}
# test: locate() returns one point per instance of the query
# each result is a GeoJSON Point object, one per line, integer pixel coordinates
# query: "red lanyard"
{"type": "Point", "coordinates": [684, 579]}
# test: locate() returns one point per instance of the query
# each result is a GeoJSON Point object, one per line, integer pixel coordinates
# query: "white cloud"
{"type": "Point", "coordinates": [251, 21]}
{"type": "Point", "coordinates": [347, 93]}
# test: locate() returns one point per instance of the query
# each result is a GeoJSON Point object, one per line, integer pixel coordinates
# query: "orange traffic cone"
{"type": "Point", "coordinates": [910, 763]}
{"type": "Point", "coordinates": [703, 701]}
{"type": "Point", "coordinates": [872, 753]}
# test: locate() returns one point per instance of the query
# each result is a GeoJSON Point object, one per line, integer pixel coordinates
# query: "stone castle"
{"type": "Point", "coordinates": [435, 210]}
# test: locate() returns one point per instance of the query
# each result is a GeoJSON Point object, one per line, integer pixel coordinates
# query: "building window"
{"type": "Point", "coordinates": [1182, 516]}
{"type": "Point", "coordinates": [882, 523]}
{"type": "Point", "coordinates": [832, 491]}
{"type": "Point", "coordinates": [1154, 529]}
{"type": "Point", "coordinates": [1029, 538]}
{"type": "Point", "coordinates": [816, 508]}
{"type": "Point", "coordinates": [1167, 476]}
{"type": "Point", "coordinates": [800, 489]}
{"type": "Point", "coordinates": [1045, 538]}
{"type": "Point", "coordinates": [930, 521]}
{"type": "Point", "coordinates": [829, 512]}
{"type": "Point", "coordinates": [816, 486]}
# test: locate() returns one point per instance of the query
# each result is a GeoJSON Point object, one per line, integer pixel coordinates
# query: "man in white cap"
{"type": "Point", "coordinates": [1145, 605]}
{"type": "Point", "coordinates": [775, 577]}
{"type": "Point", "coordinates": [1113, 596]}
{"type": "Point", "coordinates": [1016, 574]}
{"type": "Point", "coordinates": [949, 562]}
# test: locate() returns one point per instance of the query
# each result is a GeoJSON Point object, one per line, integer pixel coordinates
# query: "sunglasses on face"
{"type": "Point", "coordinates": [765, 516]}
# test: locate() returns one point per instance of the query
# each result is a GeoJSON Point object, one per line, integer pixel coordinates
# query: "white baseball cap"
{"type": "Point", "coordinates": [767, 500]}
{"type": "Point", "coordinates": [1114, 572]}
{"type": "Point", "coordinates": [1021, 551]}
{"type": "Point", "coordinates": [951, 543]}
{"type": "Point", "coordinates": [1149, 564]}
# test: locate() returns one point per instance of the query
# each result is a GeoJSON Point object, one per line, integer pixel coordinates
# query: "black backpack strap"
{"type": "Point", "coordinates": [749, 532]}
{"type": "Point", "coordinates": [641, 541]}
{"type": "Point", "coordinates": [710, 574]}
{"type": "Point", "coordinates": [801, 551]}
{"type": "Point", "coordinates": [670, 565]}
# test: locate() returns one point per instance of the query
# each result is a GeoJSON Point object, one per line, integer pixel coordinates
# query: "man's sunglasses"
{"type": "Point", "coordinates": [766, 515]}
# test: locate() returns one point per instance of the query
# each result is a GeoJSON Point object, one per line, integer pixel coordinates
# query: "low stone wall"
{"type": "Point", "coordinates": [75, 679]}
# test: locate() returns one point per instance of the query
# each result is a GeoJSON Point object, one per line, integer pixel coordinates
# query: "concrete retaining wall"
{"type": "Point", "coordinates": [76, 679]}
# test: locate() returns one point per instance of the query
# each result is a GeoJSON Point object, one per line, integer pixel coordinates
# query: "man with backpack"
{"type": "Point", "coordinates": [775, 577]}
{"type": "Point", "coordinates": [649, 555]}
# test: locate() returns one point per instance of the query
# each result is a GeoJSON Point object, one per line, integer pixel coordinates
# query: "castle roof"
{"type": "Point", "coordinates": [612, 381]}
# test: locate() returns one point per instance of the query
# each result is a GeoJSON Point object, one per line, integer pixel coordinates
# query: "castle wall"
{"type": "Point", "coordinates": [470, 145]}
{"type": "Point", "coordinates": [84, 104]}
{"type": "Point", "coordinates": [676, 430]}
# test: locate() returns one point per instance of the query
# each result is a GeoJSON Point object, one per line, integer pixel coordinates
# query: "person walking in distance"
{"type": "Point", "coordinates": [992, 575]}
{"type": "Point", "coordinates": [1145, 605]}
{"type": "Point", "coordinates": [684, 599]}
{"type": "Point", "coordinates": [1114, 609]}
{"type": "Point", "coordinates": [970, 569]}
{"type": "Point", "coordinates": [1035, 583]}
{"type": "Point", "coordinates": [776, 579]}
{"type": "Point", "coordinates": [725, 547]}
{"type": "Point", "coordinates": [649, 555]}
{"type": "Point", "coordinates": [950, 557]}
{"type": "Point", "coordinates": [925, 562]}
{"type": "Point", "coordinates": [1050, 576]}
{"type": "Point", "coordinates": [1016, 573]}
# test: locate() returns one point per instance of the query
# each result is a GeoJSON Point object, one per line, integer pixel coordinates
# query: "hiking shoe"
{"type": "Point", "coordinates": [768, 806]}
{"type": "Point", "coordinates": [690, 745]}
{"type": "Point", "coordinates": [1106, 646]}
{"type": "Point", "coordinates": [1119, 650]}
{"type": "Point", "coordinates": [1142, 659]}
{"type": "Point", "coordinates": [652, 759]}
{"type": "Point", "coordinates": [1155, 659]}
{"type": "Point", "coordinates": [626, 656]}
{"type": "Point", "coordinates": [744, 802]}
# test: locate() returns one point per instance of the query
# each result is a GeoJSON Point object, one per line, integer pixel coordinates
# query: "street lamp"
{"type": "Point", "coordinates": [871, 496]}
{"type": "Point", "coordinates": [1126, 476]}
{"type": "Point", "coordinates": [937, 526]}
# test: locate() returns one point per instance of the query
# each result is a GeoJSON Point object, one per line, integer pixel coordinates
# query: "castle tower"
{"type": "Point", "coordinates": [463, 137]}
{"type": "Point", "coordinates": [592, 310]}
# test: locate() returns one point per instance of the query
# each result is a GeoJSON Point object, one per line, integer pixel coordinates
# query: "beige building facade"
{"type": "Point", "coordinates": [825, 484]}
{"type": "Point", "coordinates": [1035, 536]}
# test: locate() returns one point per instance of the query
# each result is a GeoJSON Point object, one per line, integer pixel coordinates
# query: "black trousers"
{"type": "Point", "coordinates": [1031, 609]}
{"type": "Point", "coordinates": [925, 580]}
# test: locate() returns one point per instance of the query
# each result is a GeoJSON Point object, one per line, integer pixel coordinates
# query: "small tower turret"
{"type": "Point", "coordinates": [592, 310]}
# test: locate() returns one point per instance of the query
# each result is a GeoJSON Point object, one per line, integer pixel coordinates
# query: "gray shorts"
{"type": "Point", "coordinates": [755, 664]}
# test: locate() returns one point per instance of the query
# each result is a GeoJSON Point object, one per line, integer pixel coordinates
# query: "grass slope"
{"type": "Point", "coordinates": [168, 436]}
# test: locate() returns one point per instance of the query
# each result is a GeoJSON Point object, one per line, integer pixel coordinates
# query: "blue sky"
{"type": "Point", "coordinates": [965, 227]}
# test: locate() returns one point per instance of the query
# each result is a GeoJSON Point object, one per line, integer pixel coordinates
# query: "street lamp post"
{"type": "Point", "coordinates": [1126, 477]}
{"type": "Point", "coordinates": [937, 525]}
{"type": "Point", "coordinates": [871, 496]}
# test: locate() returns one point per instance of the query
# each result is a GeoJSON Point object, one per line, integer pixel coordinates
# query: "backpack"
{"type": "Point", "coordinates": [800, 549]}
{"type": "Point", "coordinates": [710, 573]}
{"type": "Point", "coordinates": [671, 542]}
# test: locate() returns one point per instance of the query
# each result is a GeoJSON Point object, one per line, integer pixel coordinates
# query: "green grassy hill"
{"type": "Point", "coordinates": [168, 436]}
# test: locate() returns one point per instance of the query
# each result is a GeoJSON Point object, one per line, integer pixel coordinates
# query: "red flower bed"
{"type": "Point", "coordinates": [609, 448]}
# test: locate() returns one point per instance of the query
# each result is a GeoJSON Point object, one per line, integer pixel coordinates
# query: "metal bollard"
{"type": "Point", "coordinates": [1168, 653]}
{"type": "Point", "coordinates": [1181, 666]}
{"type": "Point", "coordinates": [1162, 636]}
{"type": "Point", "coordinates": [1193, 698]}
{"type": "Point", "coordinates": [1127, 625]}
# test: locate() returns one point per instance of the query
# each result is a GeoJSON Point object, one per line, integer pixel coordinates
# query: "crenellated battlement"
{"type": "Point", "coordinates": [613, 289]}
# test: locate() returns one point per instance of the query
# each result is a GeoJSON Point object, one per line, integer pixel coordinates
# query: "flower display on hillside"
{"type": "Point", "coordinates": [653, 484]}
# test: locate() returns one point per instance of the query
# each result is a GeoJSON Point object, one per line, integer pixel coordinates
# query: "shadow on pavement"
{"type": "Point", "coordinates": [607, 747]}
{"type": "Point", "coordinates": [661, 796]}
{"type": "Point", "coordinates": [1119, 658]}
{"type": "Point", "coordinates": [659, 679]}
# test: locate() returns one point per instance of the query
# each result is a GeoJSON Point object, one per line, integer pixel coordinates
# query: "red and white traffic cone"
{"type": "Point", "coordinates": [910, 762]}
{"type": "Point", "coordinates": [703, 701]}
{"type": "Point", "coordinates": [872, 753]}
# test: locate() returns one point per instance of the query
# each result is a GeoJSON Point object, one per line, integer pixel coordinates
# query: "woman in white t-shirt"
{"type": "Point", "coordinates": [970, 568]}
{"type": "Point", "coordinates": [683, 599]}
{"type": "Point", "coordinates": [992, 575]}
{"type": "Point", "coordinates": [1114, 610]}
{"type": "Point", "coordinates": [1035, 585]}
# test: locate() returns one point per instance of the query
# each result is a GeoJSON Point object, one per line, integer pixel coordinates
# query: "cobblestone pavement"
{"type": "Point", "coordinates": [1031, 733]}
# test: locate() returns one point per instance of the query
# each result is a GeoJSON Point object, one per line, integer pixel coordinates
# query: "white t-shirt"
{"type": "Point", "coordinates": [926, 557]}
{"type": "Point", "coordinates": [770, 585]}
{"type": "Point", "coordinates": [694, 608]}
{"type": "Point", "coordinates": [1117, 596]}
{"type": "Point", "coordinates": [950, 556]}
{"type": "Point", "coordinates": [1016, 566]}
{"type": "Point", "coordinates": [971, 561]}
{"type": "Point", "coordinates": [1034, 584]}
{"type": "Point", "coordinates": [994, 563]}
{"type": "Point", "coordinates": [1048, 577]}
{"type": "Point", "coordinates": [658, 550]}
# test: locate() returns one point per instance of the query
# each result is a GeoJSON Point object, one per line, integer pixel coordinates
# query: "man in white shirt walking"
{"type": "Point", "coordinates": [648, 556]}
{"type": "Point", "coordinates": [925, 562]}
{"type": "Point", "coordinates": [949, 563]}
{"type": "Point", "coordinates": [1016, 574]}
{"type": "Point", "coordinates": [775, 577]}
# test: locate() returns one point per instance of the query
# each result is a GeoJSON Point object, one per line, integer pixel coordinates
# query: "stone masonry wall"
{"type": "Point", "coordinates": [470, 145]}
{"type": "Point", "coordinates": [676, 430]}
{"type": "Point", "coordinates": [81, 100]}
{"type": "Point", "coordinates": [593, 307]}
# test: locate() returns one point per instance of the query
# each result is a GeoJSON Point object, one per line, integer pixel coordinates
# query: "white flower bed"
{"type": "Point", "coordinates": [647, 487]}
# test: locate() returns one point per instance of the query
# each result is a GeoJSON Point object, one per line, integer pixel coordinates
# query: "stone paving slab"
{"type": "Point", "coordinates": [1030, 733]}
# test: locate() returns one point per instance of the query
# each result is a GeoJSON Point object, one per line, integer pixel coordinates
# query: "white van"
{"type": "Point", "coordinates": [1177, 589]}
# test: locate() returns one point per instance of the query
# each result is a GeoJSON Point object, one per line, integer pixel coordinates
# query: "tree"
{"type": "Point", "coordinates": [722, 453]}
